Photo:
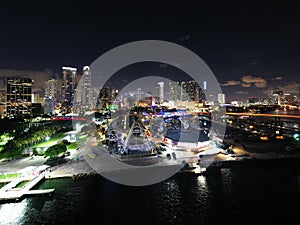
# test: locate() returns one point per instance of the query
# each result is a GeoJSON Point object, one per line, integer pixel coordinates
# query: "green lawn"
{"type": "Point", "coordinates": [22, 184]}
{"type": "Point", "coordinates": [51, 142]}
{"type": "Point", "coordinates": [9, 176]}
{"type": "Point", "coordinates": [72, 146]}
{"type": "Point", "coordinates": [83, 137]}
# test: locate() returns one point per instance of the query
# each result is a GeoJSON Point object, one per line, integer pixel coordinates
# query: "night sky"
{"type": "Point", "coordinates": [251, 47]}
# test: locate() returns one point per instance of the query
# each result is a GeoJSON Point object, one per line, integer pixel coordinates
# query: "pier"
{"type": "Point", "coordinates": [9, 192]}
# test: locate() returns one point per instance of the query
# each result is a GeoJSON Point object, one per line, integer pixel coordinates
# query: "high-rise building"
{"type": "Point", "coordinates": [36, 98]}
{"type": "Point", "coordinates": [174, 91]}
{"type": "Point", "coordinates": [221, 98]}
{"type": "Point", "coordinates": [190, 91]}
{"type": "Point", "coordinates": [160, 91]}
{"type": "Point", "coordinates": [277, 95]}
{"type": "Point", "coordinates": [19, 96]}
{"type": "Point", "coordinates": [51, 89]}
{"type": "Point", "coordinates": [68, 85]}
{"type": "Point", "coordinates": [86, 94]}
{"type": "Point", "coordinates": [138, 96]}
{"type": "Point", "coordinates": [51, 95]}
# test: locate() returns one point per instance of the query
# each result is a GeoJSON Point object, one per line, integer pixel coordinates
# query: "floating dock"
{"type": "Point", "coordinates": [9, 192]}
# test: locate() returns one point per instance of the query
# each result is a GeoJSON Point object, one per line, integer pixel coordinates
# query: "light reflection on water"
{"type": "Point", "coordinates": [239, 195]}
{"type": "Point", "coordinates": [12, 213]}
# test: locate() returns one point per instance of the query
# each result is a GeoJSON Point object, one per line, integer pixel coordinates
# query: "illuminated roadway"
{"type": "Point", "coordinates": [265, 115]}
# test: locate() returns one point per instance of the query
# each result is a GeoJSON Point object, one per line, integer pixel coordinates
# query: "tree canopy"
{"type": "Point", "coordinates": [55, 150]}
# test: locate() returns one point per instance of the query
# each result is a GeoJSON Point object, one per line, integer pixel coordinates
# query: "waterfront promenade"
{"type": "Point", "coordinates": [243, 150]}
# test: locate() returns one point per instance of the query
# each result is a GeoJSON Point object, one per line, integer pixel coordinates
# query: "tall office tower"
{"type": "Point", "coordinates": [160, 91]}
{"type": "Point", "coordinates": [68, 85]}
{"type": "Point", "coordinates": [221, 98]}
{"type": "Point", "coordinates": [19, 96]}
{"type": "Point", "coordinates": [86, 94]}
{"type": "Point", "coordinates": [190, 91]}
{"type": "Point", "coordinates": [51, 95]}
{"type": "Point", "coordinates": [51, 89]}
{"type": "Point", "coordinates": [278, 97]}
{"type": "Point", "coordinates": [174, 91]}
{"type": "Point", "coordinates": [36, 98]}
{"type": "Point", "coordinates": [184, 96]}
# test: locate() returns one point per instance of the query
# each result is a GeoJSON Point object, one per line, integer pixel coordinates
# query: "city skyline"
{"type": "Point", "coordinates": [250, 47]}
{"type": "Point", "coordinates": [137, 112]}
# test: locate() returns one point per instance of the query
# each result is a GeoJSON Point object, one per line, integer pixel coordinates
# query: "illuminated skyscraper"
{"type": "Point", "coordinates": [86, 94]}
{"type": "Point", "coordinates": [160, 91]}
{"type": "Point", "coordinates": [190, 91]}
{"type": "Point", "coordinates": [19, 96]}
{"type": "Point", "coordinates": [221, 98]}
{"type": "Point", "coordinates": [68, 86]}
{"type": "Point", "coordinates": [174, 91]}
{"type": "Point", "coordinates": [138, 96]}
{"type": "Point", "coordinates": [51, 95]}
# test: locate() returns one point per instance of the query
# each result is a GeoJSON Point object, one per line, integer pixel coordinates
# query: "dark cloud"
{"type": "Point", "coordinates": [277, 78]}
{"type": "Point", "coordinates": [257, 81]}
{"type": "Point", "coordinates": [246, 84]}
{"type": "Point", "coordinates": [292, 87]}
{"type": "Point", "coordinates": [231, 83]}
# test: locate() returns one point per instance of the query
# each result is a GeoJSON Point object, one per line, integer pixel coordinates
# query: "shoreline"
{"type": "Point", "coordinates": [81, 170]}
{"type": "Point", "coordinates": [214, 165]}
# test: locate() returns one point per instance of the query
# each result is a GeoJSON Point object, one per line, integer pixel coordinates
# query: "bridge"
{"type": "Point", "coordinates": [265, 115]}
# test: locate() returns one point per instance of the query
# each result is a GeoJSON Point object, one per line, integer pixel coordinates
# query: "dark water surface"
{"type": "Point", "coordinates": [258, 193]}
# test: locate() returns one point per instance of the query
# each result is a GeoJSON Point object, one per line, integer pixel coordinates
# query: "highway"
{"type": "Point", "coordinates": [264, 115]}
